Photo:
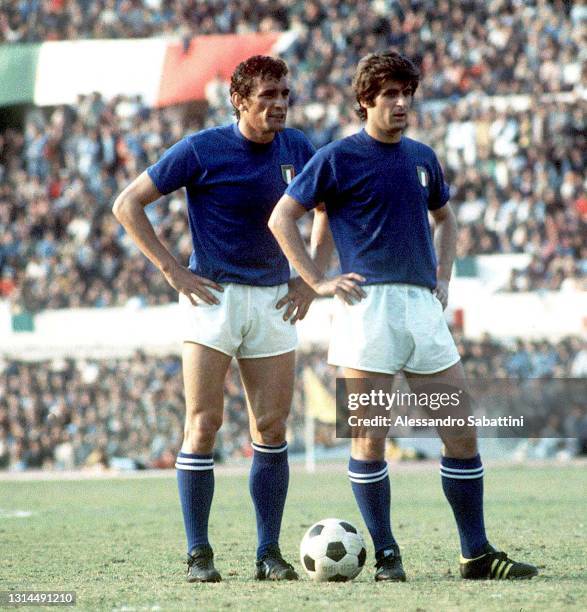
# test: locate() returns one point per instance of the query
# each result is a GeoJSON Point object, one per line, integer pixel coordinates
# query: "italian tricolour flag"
{"type": "Point", "coordinates": [161, 70]}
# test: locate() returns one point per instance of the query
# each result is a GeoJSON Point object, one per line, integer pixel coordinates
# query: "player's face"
{"type": "Point", "coordinates": [388, 116]}
{"type": "Point", "coordinates": [265, 110]}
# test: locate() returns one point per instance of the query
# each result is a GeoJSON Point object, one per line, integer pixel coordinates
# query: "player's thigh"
{"type": "Point", "coordinates": [204, 371]}
{"type": "Point", "coordinates": [459, 441]}
{"type": "Point", "coordinates": [367, 442]}
{"type": "Point", "coordinates": [268, 383]}
{"type": "Point", "coordinates": [371, 335]}
{"type": "Point", "coordinates": [434, 349]}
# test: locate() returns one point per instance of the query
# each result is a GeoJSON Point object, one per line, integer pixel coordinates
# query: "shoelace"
{"type": "Point", "coordinates": [387, 560]}
{"type": "Point", "coordinates": [276, 556]}
{"type": "Point", "coordinates": [286, 564]}
{"type": "Point", "coordinates": [199, 562]}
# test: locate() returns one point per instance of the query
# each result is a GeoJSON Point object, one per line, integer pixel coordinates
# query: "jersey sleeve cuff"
{"type": "Point", "coordinates": [156, 182]}
{"type": "Point", "coordinates": [307, 204]}
{"type": "Point", "coordinates": [437, 205]}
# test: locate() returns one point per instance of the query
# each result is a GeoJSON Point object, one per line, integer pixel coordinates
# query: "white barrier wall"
{"type": "Point", "coordinates": [528, 315]}
{"type": "Point", "coordinates": [96, 332]}
{"type": "Point", "coordinates": [495, 270]}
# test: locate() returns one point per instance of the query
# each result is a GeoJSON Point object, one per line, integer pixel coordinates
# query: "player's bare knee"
{"type": "Point", "coordinates": [461, 447]}
{"type": "Point", "coordinates": [271, 429]}
{"type": "Point", "coordinates": [368, 449]}
{"type": "Point", "coordinates": [201, 429]}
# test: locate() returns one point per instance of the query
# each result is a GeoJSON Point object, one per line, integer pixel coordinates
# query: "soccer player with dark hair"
{"type": "Point", "coordinates": [236, 296]}
{"type": "Point", "coordinates": [379, 187]}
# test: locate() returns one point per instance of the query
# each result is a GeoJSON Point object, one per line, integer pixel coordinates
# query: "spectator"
{"type": "Point", "coordinates": [515, 173]}
{"type": "Point", "coordinates": [60, 246]}
{"type": "Point", "coordinates": [130, 411]}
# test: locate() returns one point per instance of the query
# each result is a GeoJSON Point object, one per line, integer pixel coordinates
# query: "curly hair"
{"type": "Point", "coordinates": [376, 68]}
{"type": "Point", "coordinates": [262, 66]}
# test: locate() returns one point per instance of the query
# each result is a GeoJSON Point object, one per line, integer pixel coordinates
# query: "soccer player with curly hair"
{"type": "Point", "coordinates": [236, 296]}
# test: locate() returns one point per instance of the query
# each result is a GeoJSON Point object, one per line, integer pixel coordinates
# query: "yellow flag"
{"type": "Point", "coordinates": [320, 403]}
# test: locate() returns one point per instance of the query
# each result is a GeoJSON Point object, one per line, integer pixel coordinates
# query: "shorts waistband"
{"type": "Point", "coordinates": [399, 286]}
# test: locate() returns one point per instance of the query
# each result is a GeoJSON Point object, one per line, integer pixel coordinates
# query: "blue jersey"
{"type": "Point", "coordinates": [232, 187]}
{"type": "Point", "coordinates": [377, 197]}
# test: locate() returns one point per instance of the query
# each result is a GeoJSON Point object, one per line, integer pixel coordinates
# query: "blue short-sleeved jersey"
{"type": "Point", "coordinates": [232, 187]}
{"type": "Point", "coordinates": [377, 198]}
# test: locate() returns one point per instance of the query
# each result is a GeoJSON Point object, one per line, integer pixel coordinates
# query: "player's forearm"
{"type": "Point", "coordinates": [446, 245]}
{"type": "Point", "coordinates": [131, 215]}
{"type": "Point", "coordinates": [321, 242]}
{"type": "Point", "coordinates": [290, 240]}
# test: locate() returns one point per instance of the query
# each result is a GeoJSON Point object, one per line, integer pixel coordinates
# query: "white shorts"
{"type": "Point", "coordinates": [245, 324]}
{"type": "Point", "coordinates": [396, 327]}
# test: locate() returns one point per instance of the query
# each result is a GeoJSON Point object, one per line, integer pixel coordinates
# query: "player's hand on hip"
{"type": "Point", "coordinates": [191, 285]}
{"type": "Point", "coordinates": [441, 292]}
{"type": "Point", "coordinates": [345, 286]}
{"type": "Point", "coordinates": [298, 300]}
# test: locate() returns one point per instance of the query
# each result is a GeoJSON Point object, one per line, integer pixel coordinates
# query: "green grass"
{"type": "Point", "coordinates": [119, 543]}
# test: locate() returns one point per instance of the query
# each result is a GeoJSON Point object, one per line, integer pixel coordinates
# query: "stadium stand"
{"type": "Point", "coordinates": [501, 101]}
{"type": "Point", "coordinates": [128, 413]}
{"type": "Point", "coordinates": [61, 175]}
{"type": "Point", "coordinates": [463, 46]}
{"type": "Point", "coordinates": [515, 174]}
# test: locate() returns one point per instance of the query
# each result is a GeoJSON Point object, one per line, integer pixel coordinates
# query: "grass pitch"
{"type": "Point", "coordinates": [119, 543]}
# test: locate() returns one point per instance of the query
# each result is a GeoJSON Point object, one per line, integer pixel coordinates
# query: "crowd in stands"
{"type": "Point", "coordinates": [516, 172]}
{"type": "Point", "coordinates": [129, 412]}
{"type": "Point", "coordinates": [502, 102]}
{"type": "Point", "coordinates": [516, 181]}
{"type": "Point", "coordinates": [500, 46]}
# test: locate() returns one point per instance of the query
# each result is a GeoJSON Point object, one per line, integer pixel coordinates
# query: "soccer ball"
{"type": "Point", "coordinates": [333, 551]}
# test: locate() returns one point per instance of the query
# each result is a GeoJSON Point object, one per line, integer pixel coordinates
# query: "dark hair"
{"type": "Point", "coordinates": [376, 68]}
{"type": "Point", "coordinates": [263, 66]}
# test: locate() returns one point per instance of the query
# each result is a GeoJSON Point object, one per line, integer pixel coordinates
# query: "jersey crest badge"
{"type": "Point", "coordinates": [287, 172]}
{"type": "Point", "coordinates": [423, 176]}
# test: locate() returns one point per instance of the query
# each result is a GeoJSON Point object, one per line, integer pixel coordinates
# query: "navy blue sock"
{"type": "Point", "coordinates": [370, 484]}
{"type": "Point", "coordinates": [195, 480]}
{"type": "Point", "coordinates": [268, 482]}
{"type": "Point", "coordinates": [462, 483]}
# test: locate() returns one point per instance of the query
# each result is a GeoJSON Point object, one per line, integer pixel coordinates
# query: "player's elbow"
{"type": "Point", "coordinates": [133, 199]}
{"type": "Point", "coordinates": [444, 215]}
{"type": "Point", "coordinates": [285, 214]}
{"type": "Point", "coordinates": [276, 220]}
{"type": "Point", "coordinates": [118, 207]}
{"type": "Point", "coordinates": [122, 207]}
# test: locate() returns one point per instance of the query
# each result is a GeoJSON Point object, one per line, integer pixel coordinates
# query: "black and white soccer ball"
{"type": "Point", "coordinates": [333, 551]}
